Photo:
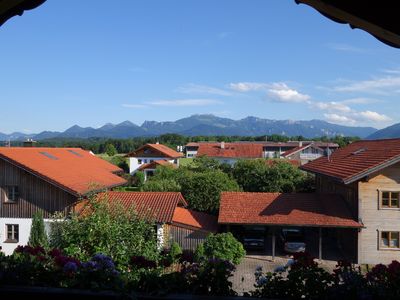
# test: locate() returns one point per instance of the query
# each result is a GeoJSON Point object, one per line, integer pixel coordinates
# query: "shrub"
{"type": "Point", "coordinates": [223, 246]}
{"type": "Point", "coordinates": [38, 235]}
{"type": "Point", "coordinates": [105, 227]}
{"type": "Point", "coordinates": [175, 252]}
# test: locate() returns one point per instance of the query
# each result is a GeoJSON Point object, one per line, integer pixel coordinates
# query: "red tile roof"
{"type": "Point", "coordinates": [155, 164]}
{"type": "Point", "coordinates": [75, 170]}
{"type": "Point", "coordinates": [188, 217]}
{"type": "Point", "coordinates": [162, 149]}
{"type": "Point", "coordinates": [357, 160]}
{"type": "Point", "coordinates": [231, 150]}
{"type": "Point", "coordinates": [158, 206]}
{"type": "Point", "coordinates": [301, 209]}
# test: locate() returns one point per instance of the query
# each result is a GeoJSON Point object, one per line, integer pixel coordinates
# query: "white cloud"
{"type": "Point", "coordinates": [331, 106]}
{"type": "Point", "coordinates": [134, 105]}
{"type": "Point", "coordinates": [346, 48]}
{"type": "Point", "coordinates": [281, 92]}
{"type": "Point", "coordinates": [360, 100]}
{"type": "Point", "coordinates": [192, 88]}
{"type": "Point", "coordinates": [248, 86]}
{"type": "Point", "coordinates": [185, 102]}
{"type": "Point", "coordinates": [377, 85]}
{"type": "Point", "coordinates": [339, 119]}
{"type": "Point", "coordinates": [372, 116]}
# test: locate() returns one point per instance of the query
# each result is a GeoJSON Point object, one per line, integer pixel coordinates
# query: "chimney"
{"type": "Point", "coordinates": [222, 145]}
{"type": "Point", "coordinates": [157, 142]}
{"type": "Point", "coordinates": [300, 143]}
{"type": "Point", "coordinates": [29, 143]}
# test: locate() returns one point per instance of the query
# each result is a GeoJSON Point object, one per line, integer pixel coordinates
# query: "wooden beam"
{"type": "Point", "coordinates": [320, 243]}
{"type": "Point", "coordinates": [273, 244]}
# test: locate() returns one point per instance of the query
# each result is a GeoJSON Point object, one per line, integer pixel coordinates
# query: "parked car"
{"type": "Point", "coordinates": [292, 240]}
{"type": "Point", "coordinates": [253, 238]}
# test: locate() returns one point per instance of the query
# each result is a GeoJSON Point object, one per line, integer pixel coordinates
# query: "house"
{"type": "Point", "coordinates": [230, 153]}
{"type": "Point", "coordinates": [320, 215]}
{"type": "Point", "coordinates": [148, 169]}
{"type": "Point", "coordinates": [175, 222]}
{"type": "Point", "coordinates": [150, 153]}
{"type": "Point", "coordinates": [304, 153]}
{"type": "Point", "coordinates": [366, 174]}
{"type": "Point", "coordinates": [48, 180]}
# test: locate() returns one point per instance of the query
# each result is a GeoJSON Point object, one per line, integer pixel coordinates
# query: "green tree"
{"type": "Point", "coordinates": [38, 235]}
{"type": "Point", "coordinates": [105, 227]}
{"type": "Point", "coordinates": [203, 164]}
{"type": "Point", "coordinates": [161, 185]}
{"type": "Point", "coordinates": [260, 176]}
{"type": "Point", "coordinates": [110, 150]}
{"type": "Point", "coordinates": [202, 190]}
{"type": "Point", "coordinates": [222, 246]}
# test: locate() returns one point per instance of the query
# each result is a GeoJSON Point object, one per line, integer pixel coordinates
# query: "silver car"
{"type": "Point", "coordinates": [293, 240]}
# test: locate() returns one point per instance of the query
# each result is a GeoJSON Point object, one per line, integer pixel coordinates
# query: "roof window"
{"type": "Point", "coordinates": [49, 155]}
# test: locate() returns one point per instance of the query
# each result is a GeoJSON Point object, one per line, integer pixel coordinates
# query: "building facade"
{"type": "Point", "coordinates": [366, 174]}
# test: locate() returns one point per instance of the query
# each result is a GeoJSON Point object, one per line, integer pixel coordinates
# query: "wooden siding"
{"type": "Point", "coordinates": [150, 153]}
{"type": "Point", "coordinates": [348, 192]}
{"type": "Point", "coordinates": [35, 194]}
{"type": "Point", "coordinates": [377, 219]}
{"type": "Point", "coordinates": [187, 238]}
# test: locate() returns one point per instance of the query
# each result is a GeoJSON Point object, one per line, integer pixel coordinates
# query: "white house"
{"type": "Point", "coordinates": [150, 153]}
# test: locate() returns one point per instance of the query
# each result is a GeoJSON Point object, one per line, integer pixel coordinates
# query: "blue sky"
{"type": "Point", "coordinates": [92, 62]}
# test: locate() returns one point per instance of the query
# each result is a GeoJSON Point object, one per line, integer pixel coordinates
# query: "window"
{"type": "Point", "coordinates": [390, 239]}
{"type": "Point", "coordinates": [390, 199]}
{"type": "Point", "coordinates": [145, 161]}
{"type": "Point", "coordinates": [151, 160]}
{"type": "Point", "coordinates": [12, 233]}
{"type": "Point", "coordinates": [12, 193]}
{"type": "Point", "coordinates": [139, 161]}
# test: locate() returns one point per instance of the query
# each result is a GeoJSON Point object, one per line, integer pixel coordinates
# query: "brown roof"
{"type": "Point", "coordinates": [301, 209]}
{"type": "Point", "coordinates": [188, 217]}
{"type": "Point", "coordinates": [155, 164]}
{"type": "Point", "coordinates": [357, 160]}
{"type": "Point", "coordinates": [162, 149]}
{"type": "Point", "coordinates": [72, 169]}
{"type": "Point", "coordinates": [158, 206]}
{"type": "Point", "coordinates": [231, 150]}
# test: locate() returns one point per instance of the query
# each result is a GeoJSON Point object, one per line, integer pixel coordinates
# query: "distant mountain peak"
{"type": "Point", "coordinates": [206, 125]}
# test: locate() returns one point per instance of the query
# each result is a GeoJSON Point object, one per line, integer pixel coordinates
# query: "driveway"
{"type": "Point", "coordinates": [244, 280]}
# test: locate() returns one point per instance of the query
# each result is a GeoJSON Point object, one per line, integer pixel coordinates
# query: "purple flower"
{"type": "Point", "coordinates": [70, 267]}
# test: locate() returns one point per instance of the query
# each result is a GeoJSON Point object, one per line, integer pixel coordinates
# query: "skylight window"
{"type": "Point", "coordinates": [49, 155]}
{"type": "Point", "coordinates": [75, 153]}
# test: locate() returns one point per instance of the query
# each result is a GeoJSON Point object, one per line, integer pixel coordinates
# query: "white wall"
{"type": "Point", "coordinates": [191, 153]}
{"type": "Point", "coordinates": [24, 232]}
{"type": "Point", "coordinates": [134, 162]}
{"type": "Point", "coordinates": [160, 236]}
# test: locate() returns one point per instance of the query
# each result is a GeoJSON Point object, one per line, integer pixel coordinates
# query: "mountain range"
{"type": "Point", "coordinates": [203, 125]}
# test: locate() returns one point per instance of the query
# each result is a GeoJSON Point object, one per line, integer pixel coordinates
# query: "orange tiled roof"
{"type": "Point", "coordinates": [75, 170]}
{"type": "Point", "coordinates": [164, 150]}
{"type": "Point", "coordinates": [159, 206]}
{"type": "Point", "coordinates": [155, 164]}
{"type": "Point", "coordinates": [231, 150]}
{"type": "Point", "coordinates": [188, 217]}
{"type": "Point", "coordinates": [302, 209]}
{"type": "Point", "coordinates": [357, 160]}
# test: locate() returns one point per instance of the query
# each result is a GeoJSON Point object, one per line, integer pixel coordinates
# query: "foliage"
{"type": "Point", "coordinates": [199, 254]}
{"type": "Point", "coordinates": [259, 176]}
{"type": "Point", "coordinates": [202, 190]}
{"type": "Point", "coordinates": [38, 235]}
{"type": "Point", "coordinates": [209, 277]}
{"type": "Point", "coordinates": [137, 179]}
{"type": "Point", "coordinates": [105, 227]}
{"type": "Point", "coordinates": [175, 252]}
{"type": "Point", "coordinates": [162, 185]}
{"type": "Point", "coordinates": [222, 246]}
{"type": "Point", "coordinates": [34, 266]}
{"type": "Point", "coordinates": [203, 164]}
{"type": "Point", "coordinates": [110, 150]}
{"type": "Point", "coordinates": [301, 278]}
